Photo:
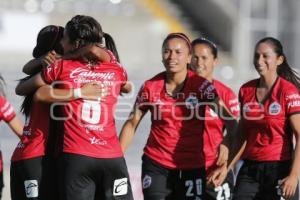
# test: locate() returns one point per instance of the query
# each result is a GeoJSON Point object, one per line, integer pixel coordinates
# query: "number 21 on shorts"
{"type": "Point", "coordinates": [223, 192]}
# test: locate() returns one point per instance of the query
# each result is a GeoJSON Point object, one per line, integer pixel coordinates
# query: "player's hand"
{"type": "Point", "coordinates": [49, 58]}
{"type": "Point", "coordinates": [288, 186]}
{"type": "Point", "coordinates": [93, 91]}
{"type": "Point", "coordinates": [217, 176]}
{"type": "Point", "coordinates": [222, 155]}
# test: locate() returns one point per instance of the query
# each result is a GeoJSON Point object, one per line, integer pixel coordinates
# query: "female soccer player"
{"type": "Point", "coordinates": [32, 169]}
{"type": "Point", "coordinates": [92, 159]}
{"type": "Point", "coordinates": [173, 160]}
{"type": "Point", "coordinates": [270, 118]}
{"type": "Point", "coordinates": [7, 114]}
{"type": "Point", "coordinates": [204, 61]}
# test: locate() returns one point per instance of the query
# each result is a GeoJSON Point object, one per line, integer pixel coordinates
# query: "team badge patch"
{"type": "Point", "coordinates": [147, 180]}
{"type": "Point", "coordinates": [191, 102]}
{"type": "Point", "coordinates": [31, 188]}
{"type": "Point", "coordinates": [274, 108]}
{"type": "Point", "coordinates": [120, 187]}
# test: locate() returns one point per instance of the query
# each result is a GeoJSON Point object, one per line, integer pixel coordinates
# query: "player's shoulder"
{"type": "Point", "coordinates": [285, 84]}
{"type": "Point", "coordinates": [248, 88]}
{"type": "Point", "coordinates": [224, 91]}
{"type": "Point", "coordinates": [157, 79]}
{"type": "Point", "coordinates": [222, 86]}
{"type": "Point", "coordinates": [250, 84]}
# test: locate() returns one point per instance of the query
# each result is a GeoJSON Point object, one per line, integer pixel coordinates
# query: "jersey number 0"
{"type": "Point", "coordinates": [91, 111]}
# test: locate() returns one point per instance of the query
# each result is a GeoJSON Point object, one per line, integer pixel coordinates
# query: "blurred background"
{"type": "Point", "coordinates": [139, 27]}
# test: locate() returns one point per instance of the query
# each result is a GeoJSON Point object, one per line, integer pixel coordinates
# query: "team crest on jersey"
{"type": "Point", "coordinates": [191, 102]}
{"type": "Point", "coordinates": [147, 180]}
{"type": "Point", "coordinates": [274, 108]}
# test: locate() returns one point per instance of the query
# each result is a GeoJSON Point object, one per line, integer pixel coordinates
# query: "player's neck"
{"type": "Point", "coordinates": [176, 78]}
{"type": "Point", "coordinates": [268, 81]}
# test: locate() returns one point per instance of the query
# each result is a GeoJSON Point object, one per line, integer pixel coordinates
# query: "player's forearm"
{"type": "Point", "coordinates": [49, 94]}
{"type": "Point", "coordinates": [126, 135]}
{"type": "Point", "coordinates": [32, 66]}
{"type": "Point", "coordinates": [89, 52]}
{"type": "Point", "coordinates": [29, 86]}
{"type": "Point", "coordinates": [235, 157]}
{"type": "Point", "coordinates": [17, 126]}
{"type": "Point", "coordinates": [294, 121]}
{"type": "Point", "coordinates": [295, 170]}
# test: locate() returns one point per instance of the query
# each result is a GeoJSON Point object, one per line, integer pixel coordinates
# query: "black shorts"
{"type": "Point", "coordinates": [223, 192]}
{"type": "Point", "coordinates": [258, 180]}
{"type": "Point", "coordinates": [1, 174]}
{"type": "Point", "coordinates": [33, 179]}
{"type": "Point", "coordinates": [161, 183]}
{"type": "Point", "coordinates": [87, 178]}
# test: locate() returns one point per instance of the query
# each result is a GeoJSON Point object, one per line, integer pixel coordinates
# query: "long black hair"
{"type": "Point", "coordinates": [284, 70]}
{"type": "Point", "coordinates": [48, 39]}
{"type": "Point", "coordinates": [110, 45]}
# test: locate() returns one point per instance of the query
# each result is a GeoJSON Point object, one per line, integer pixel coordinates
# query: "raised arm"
{"type": "Point", "coordinates": [89, 91]}
{"type": "Point", "coordinates": [89, 52]}
{"type": "Point", "coordinates": [130, 126]}
{"type": "Point", "coordinates": [30, 85]}
{"type": "Point", "coordinates": [35, 65]}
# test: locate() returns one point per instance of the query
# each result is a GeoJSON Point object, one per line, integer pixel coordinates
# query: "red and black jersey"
{"type": "Point", "coordinates": [89, 126]}
{"type": "Point", "coordinates": [214, 126]}
{"type": "Point", "coordinates": [7, 112]}
{"type": "Point", "coordinates": [35, 133]}
{"type": "Point", "coordinates": [176, 136]}
{"type": "Point", "coordinates": [266, 124]}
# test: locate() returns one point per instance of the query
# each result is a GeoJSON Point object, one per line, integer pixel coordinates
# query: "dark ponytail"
{"type": "Point", "coordinates": [284, 70]}
{"type": "Point", "coordinates": [110, 45]}
{"type": "Point", "coordinates": [28, 100]}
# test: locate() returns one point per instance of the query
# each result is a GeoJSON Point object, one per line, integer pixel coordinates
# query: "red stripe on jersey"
{"type": "Point", "coordinates": [7, 112]}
